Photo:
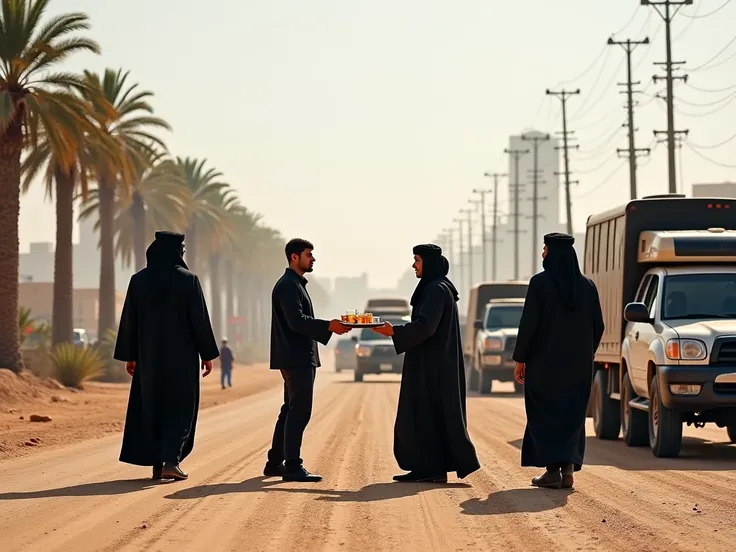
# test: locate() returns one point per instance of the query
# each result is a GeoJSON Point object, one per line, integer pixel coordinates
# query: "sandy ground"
{"type": "Point", "coordinates": [96, 411]}
{"type": "Point", "coordinates": [78, 498]}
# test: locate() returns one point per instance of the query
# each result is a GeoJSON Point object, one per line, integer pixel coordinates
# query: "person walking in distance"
{"type": "Point", "coordinates": [295, 333]}
{"type": "Point", "coordinates": [164, 332]}
{"type": "Point", "coordinates": [227, 358]}
{"type": "Point", "coordinates": [560, 329]}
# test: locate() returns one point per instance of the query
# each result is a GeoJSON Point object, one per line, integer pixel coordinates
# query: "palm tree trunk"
{"type": "Point", "coordinates": [106, 321]}
{"type": "Point", "coordinates": [216, 291]}
{"type": "Point", "coordinates": [191, 247]}
{"type": "Point", "coordinates": [138, 213]}
{"type": "Point", "coordinates": [229, 300]}
{"type": "Point", "coordinates": [62, 314]}
{"type": "Point", "coordinates": [11, 145]}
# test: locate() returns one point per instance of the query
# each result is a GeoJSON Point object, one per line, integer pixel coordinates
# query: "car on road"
{"type": "Point", "coordinates": [388, 307]}
{"type": "Point", "coordinates": [344, 355]}
{"type": "Point", "coordinates": [665, 268]}
{"type": "Point", "coordinates": [480, 295]}
{"type": "Point", "coordinates": [375, 354]}
{"type": "Point", "coordinates": [495, 342]}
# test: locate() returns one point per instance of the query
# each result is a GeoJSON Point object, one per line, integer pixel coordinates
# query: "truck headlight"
{"type": "Point", "coordinates": [686, 349]}
{"type": "Point", "coordinates": [492, 344]}
{"type": "Point", "coordinates": [363, 350]}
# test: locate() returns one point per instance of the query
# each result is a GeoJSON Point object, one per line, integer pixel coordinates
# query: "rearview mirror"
{"type": "Point", "coordinates": [637, 312]}
{"type": "Point", "coordinates": [478, 324]}
{"type": "Point", "coordinates": [354, 338]}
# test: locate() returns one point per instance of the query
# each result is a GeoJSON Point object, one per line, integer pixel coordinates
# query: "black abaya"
{"type": "Point", "coordinates": [430, 434]}
{"type": "Point", "coordinates": [557, 340]}
{"type": "Point", "coordinates": [165, 328]}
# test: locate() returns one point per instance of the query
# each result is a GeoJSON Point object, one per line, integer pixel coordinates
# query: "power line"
{"type": "Point", "coordinates": [705, 65]}
{"type": "Point", "coordinates": [603, 182]}
{"type": "Point", "coordinates": [714, 146]}
{"type": "Point", "coordinates": [713, 12]}
{"type": "Point", "coordinates": [706, 158]}
{"type": "Point", "coordinates": [722, 106]}
{"type": "Point", "coordinates": [708, 104]}
{"type": "Point", "coordinates": [711, 91]}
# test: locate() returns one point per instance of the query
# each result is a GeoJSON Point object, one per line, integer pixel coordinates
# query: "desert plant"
{"type": "Point", "coordinates": [114, 371]}
{"type": "Point", "coordinates": [25, 321]}
{"type": "Point", "coordinates": [75, 365]}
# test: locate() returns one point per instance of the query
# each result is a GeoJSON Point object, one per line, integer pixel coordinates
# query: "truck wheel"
{"type": "Point", "coordinates": [473, 379]}
{"type": "Point", "coordinates": [633, 421]}
{"type": "Point", "coordinates": [665, 425]}
{"type": "Point", "coordinates": [486, 383]}
{"type": "Point", "coordinates": [357, 376]}
{"type": "Point", "coordinates": [731, 433]}
{"type": "Point", "coordinates": [606, 413]}
{"type": "Point", "coordinates": [518, 388]}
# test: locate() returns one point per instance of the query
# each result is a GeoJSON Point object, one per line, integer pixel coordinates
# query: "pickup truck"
{"type": "Point", "coordinates": [495, 342]}
{"type": "Point", "coordinates": [665, 268]}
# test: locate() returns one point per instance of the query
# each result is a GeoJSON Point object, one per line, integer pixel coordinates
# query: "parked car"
{"type": "Point", "coordinates": [375, 354]}
{"type": "Point", "coordinates": [388, 307]}
{"type": "Point", "coordinates": [345, 355]}
{"type": "Point", "coordinates": [495, 342]}
{"type": "Point", "coordinates": [81, 338]}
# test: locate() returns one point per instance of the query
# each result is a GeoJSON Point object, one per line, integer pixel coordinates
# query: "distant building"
{"type": "Point", "coordinates": [38, 296]}
{"type": "Point", "coordinates": [37, 265]}
{"type": "Point", "coordinates": [724, 189]}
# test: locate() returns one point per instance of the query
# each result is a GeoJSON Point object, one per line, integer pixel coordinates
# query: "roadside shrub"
{"type": "Point", "coordinates": [75, 365]}
{"type": "Point", "coordinates": [114, 371]}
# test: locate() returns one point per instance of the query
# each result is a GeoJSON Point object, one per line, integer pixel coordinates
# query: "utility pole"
{"type": "Point", "coordinates": [469, 256]}
{"type": "Point", "coordinates": [459, 222]}
{"type": "Point", "coordinates": [633, 153]}
{"type": "Point", "coordinates": [484, 243]}
{"type": "Point", "coordinates": [450, 238]}
{"type": "Point", "coordinates": [495, 177]}
{"type": "Point", "coordinates": [680, 136]}
{"type": "Point", "coordinates": [667, 16]}
{"type": "Point", "coordinates": [535, 139]}
{"type": "Point", "coordinates": [564, 95]}
{"type": "Point", "coordinates": [516, 155]}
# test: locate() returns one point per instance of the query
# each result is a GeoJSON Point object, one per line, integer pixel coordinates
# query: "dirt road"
{"type": "Point", "coordinates": [79, 498]}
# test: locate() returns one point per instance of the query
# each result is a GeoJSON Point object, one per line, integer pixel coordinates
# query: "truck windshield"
{"type": "Point", "coordinates": [503, 317]}
{"type": "Point", "coordinates": [698, 296]}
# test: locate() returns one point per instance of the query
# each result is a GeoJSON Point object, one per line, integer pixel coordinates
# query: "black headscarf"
{"type": "Point", "coordinates": [561, 263]}
{"type": "Point", "coordinates": [163, 256]}
{"type": "Point", "coordinates": [435, 266]}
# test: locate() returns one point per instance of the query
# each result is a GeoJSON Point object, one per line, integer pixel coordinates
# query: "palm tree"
{"type": "Point", "coordinates": [130, 126]}
{"type": "Point", "coordinates": [158, 199]}
{"type": "Point", "coordinates": [30, 89]}
{"type": "Point", "coordinates": [205, 216]}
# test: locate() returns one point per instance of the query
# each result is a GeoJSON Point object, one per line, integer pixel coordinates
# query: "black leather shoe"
{"type": "Point", "coordinates": [273, 470]}
{"type": "Point", "coordinates": [568, 479]}
{"type": "Point", "coordinates": [548, 480]}
{"type": "Point", "coordinates": [300, 474]}
{"type": "Point", "coordinates": [173, 472]}
{"type": "Point", "coordinates": [157, 470]}
{"type": "Point", "coordinates": [413, 477]}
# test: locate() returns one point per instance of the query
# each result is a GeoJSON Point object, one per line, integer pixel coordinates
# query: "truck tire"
{"type": "Point", "coordinates": [486, 383]}
{"type": "Point", "coordinates": [518, 388]}
{"type": "Point", "coordinates": [731, 433]}
{"type": "Point", "coordinates": [633, 422]}
{"type": "Point", "coordinates": [665, 425]}
{"type": "Point", "coordinates": [606, 413]}
{"type": "Point", "coordinates": [357, 376]}
{"type": "Point", "coordinates": [473, 378]}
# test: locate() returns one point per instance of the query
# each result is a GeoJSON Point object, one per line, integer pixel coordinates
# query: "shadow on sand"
{"type": "Point", "coordinates": [105, 488]}
{"type": "Point", "coordinates": [697, 455]}
{"type": "Point", "coordinates": [370, 493]}
{"type": "Point", "coordinates": [515, 501]}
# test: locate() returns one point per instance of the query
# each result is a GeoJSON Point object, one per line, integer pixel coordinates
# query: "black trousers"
{"type": "Point", "coordinates": [293, 417]}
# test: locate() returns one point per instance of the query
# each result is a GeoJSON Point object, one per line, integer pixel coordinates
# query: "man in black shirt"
{"type": "Point", "coordinates": [294, 337]}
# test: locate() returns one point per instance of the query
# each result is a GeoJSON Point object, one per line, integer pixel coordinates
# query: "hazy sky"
{"type": "Point", "coordinates": [364, 125]}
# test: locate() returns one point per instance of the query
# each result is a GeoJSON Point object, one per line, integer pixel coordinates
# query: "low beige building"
{"type": "Point", "coordinates": [39, 296]}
